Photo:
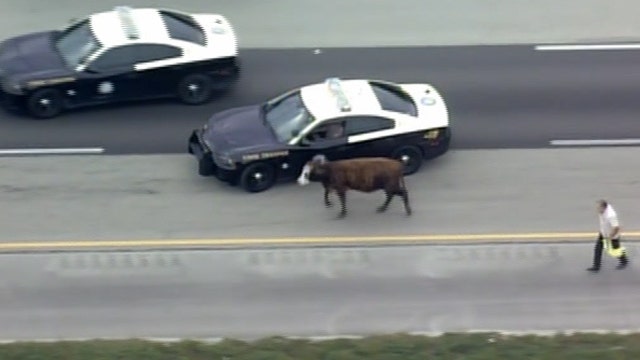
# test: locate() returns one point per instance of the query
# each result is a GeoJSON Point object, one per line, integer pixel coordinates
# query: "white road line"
{"type": "Point", "coordinates": [54, 151]}
{"type": "Point", "coordinates": [595, 142]}
{"type": "Point", "coordinates": [587, 47]}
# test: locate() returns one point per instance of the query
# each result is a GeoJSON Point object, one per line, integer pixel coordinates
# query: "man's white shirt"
{"type": "Point", "coordinates": [608, 220]}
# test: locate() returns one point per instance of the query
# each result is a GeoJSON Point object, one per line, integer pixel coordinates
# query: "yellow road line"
{"type": "Point", "coordinates": [318, 240]}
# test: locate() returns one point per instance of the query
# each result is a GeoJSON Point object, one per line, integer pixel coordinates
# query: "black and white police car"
{"type": "Point", "coordinates": [257, 145]}
{"type": "Point", "coordinates": [119, 55]}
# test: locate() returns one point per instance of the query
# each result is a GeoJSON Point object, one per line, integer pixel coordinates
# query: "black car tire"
{"type": "Point", "coordinates": [44, 103]}
{"type": "Point", "coordinates": [411, 157]}
{"type": "Point", "coordinates": [258, 177]}
{"type": "Point", "coordinates": [195, 89]}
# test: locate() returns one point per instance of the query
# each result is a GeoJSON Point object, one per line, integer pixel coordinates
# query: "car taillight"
{"type": "Point", "coordinates": [432, 134]}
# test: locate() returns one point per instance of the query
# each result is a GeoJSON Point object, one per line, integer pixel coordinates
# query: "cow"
{"type": "Point", "coordinates": [366, 175]}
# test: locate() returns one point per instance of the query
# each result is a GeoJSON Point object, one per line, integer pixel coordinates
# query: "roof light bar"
{"type": "Point", "coordinates": [335, 87]}
{"type": "Point", "coordinates": [128, 25]}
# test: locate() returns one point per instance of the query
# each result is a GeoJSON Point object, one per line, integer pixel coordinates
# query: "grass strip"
{"type": "Point", "coordinates": [479, 346]}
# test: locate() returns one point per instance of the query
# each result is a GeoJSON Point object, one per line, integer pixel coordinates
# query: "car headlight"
{"type": "Point", "coordinates": [12, 87]}
{"type": "Point", "coordinates": [225, 161]}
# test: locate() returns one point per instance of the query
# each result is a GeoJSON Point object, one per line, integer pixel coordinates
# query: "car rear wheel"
{"type": "Point", "coordinates": [45, 103]}
{"type": "Point", "coordinates": [195, 89]}
{"type": "Point", "coordinates": [411, 157]}
{"type": "Point", "coordinates": [258, 177]}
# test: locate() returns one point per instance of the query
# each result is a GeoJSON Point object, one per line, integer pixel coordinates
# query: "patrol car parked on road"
{"type": "Point", "coordinates": [257, 145]}
{"type": "Point", "coordinates": [120, 55]}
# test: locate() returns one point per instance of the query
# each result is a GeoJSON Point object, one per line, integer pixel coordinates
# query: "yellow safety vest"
{"type": "Point", "coordinates": [610, 250]}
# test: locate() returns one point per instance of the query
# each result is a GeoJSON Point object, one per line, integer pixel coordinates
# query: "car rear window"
{"type": "Point", "coordinates": [392, 98]}
{"type": "Point", "coordinates": [183, 27]}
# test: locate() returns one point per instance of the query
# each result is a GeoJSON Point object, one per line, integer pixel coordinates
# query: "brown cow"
{"type": "Point", "coordinates": [360, 174]}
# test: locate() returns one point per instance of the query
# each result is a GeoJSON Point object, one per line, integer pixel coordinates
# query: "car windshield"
{"type": "Point", "coordinates": [287, 117]}
{"type": "Point", "coordinates": [76, 43]}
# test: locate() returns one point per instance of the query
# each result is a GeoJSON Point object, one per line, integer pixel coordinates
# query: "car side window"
{"type": "Point", "coordinates": [155, 52]}
{"type": "Point", "coordinates": [119, 57]}
{"type": "Point", "coordinates": [325, 132]}
{"type": "Point", "coordinates": [129, 55]}
{"type": "Point", "coordinates": [366, 124]}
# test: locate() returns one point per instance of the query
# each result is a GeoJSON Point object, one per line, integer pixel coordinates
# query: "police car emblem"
{"type": "Point", "coordinates": [105, 87]}
{"type": "Point", "coordinates": [428, 101]}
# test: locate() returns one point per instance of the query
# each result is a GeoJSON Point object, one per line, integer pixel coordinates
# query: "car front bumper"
{"type": "Point", "coordinates": [9, 101]}
{"type": "Point", "coordinates": [206, 165]}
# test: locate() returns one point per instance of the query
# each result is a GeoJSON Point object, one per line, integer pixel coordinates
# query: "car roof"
{"type": "Point", "coordinates": [113, 27]}
{"type": "Point", "coordinates": [323, 103]}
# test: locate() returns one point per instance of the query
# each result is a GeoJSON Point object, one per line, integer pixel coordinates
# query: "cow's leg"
{"type": "Point", "coordinates": [405, 198]}
{"type": "Point", "coordinates": [388, 197]}
{"type": "Point", "coordinates": [327, 202]}
{"type": "Point", "coordinates": [342, 194]}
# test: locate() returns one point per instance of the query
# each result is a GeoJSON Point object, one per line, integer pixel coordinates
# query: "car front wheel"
{"type": "Point", "coordinates": [411, 157]}
{"type": "Point", "coordinates": [195, 89]}
{"type": "Point", "coordinates": [258, 177]}
{"type": "Point", "coordinates": [44, 103]}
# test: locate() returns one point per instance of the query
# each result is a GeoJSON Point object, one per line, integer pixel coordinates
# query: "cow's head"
{"type": "Point", "coordinates": [313, 170]}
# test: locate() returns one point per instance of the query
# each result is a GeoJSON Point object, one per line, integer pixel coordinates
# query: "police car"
{"type": "Point", "coordinates": [257, 145]}
{"type": "Point", "coordinates": [119, 55]}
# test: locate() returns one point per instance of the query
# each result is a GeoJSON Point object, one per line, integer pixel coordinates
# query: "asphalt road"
{"type": "Point", "coordinates": [250, 294]}
{"type": "Point", "coordinates": [328, 23]}
{"type": "Point", "coordinates": [162, 197]}
{"type": "Point", "coordinates": [500, 97]}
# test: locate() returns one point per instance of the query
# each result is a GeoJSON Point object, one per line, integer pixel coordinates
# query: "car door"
{"type": "Point", "coordinates": [110, 77]}
{"type": "Point", "coordinates": [113, 76]}
{"type": "Point", "coordinates": [368, 136]}
{"type": "Point", "coordinates": [329, 139]}
{"type": "Point", "coordinates": [158, 70]}
{"type": "Point", "coordinates": [316, 142]}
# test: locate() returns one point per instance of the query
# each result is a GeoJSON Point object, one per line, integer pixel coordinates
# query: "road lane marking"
{"type": "Point", "coordinates": [587, 47]}
{"type": "Point", "coordinates": [595, 142]}
{"type": "Point", "coordinates": [318, 240]}
{"type": "Point", "coordinates": [52, 151]}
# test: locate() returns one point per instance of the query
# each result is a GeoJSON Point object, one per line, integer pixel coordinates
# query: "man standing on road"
{"type": "Point", "coordinates": [608, 238]}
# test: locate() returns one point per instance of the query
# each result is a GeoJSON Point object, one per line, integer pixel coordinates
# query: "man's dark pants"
{"type": "Point", "coordinates": [597, 253]}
